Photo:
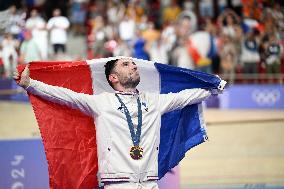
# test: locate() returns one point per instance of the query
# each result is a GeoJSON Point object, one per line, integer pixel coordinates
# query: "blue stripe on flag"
{"type": "Point", "coordinates": [181, 129]}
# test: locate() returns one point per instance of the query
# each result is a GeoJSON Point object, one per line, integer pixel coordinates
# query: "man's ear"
{"type": "Point", "coordinates": [113, 78]}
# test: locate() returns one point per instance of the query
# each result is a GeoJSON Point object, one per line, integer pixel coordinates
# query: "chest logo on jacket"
{"type": "Point", "coordinates": [120, 109]}
{"type": "Point", "coordinates": [144, 106]}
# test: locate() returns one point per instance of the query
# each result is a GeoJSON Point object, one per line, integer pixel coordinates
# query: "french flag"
{"type": "Point", "coordinates": [69, 136]}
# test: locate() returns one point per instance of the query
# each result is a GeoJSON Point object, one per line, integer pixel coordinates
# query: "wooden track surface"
{"type": "Point", "coordinates": [245, 147]}
{"type": "Point", "coordinates": [237, 154]}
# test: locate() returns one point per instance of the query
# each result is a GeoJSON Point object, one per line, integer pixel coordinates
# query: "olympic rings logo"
{"type": "Point", "coordinates": [266, 97]}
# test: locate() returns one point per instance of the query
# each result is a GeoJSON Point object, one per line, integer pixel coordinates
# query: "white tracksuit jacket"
{"type": "Point", "coordinates": [113, 135]}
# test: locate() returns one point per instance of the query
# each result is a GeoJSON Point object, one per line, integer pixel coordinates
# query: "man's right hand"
{"type": "Point", "coordinates": [24, 79]}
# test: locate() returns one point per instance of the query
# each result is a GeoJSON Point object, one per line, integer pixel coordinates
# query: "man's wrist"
{"type": "Point", "coordinates": [26, 83]}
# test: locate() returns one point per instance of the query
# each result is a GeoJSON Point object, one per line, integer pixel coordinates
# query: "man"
{"type": "Point", "coordinates": [127, 122]}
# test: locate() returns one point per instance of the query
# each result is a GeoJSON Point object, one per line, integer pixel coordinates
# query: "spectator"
{"type": "Point", "coordinates": [169, 36]}
{"type": "Point", "coordinates": [122, 49]}
{"type": "Point", "coordinates": [278, 15]}
{"type": "Point", "coordinates": [252, 9]}
{"type": "Point", "coordinates": [15, 22]}
{"type": "Point", "coordinates": [9, 54]}
{"type": "Point", "coordinates": [99, 37]}
{"type": "Point", "coordinates": [158, 51]}
{"type": "Point", "coordinates": [250, 56]}
{"type": "Point", "coordinates": [171, 12]}
{"type": "Point", "coordinates": [189, 14]}
{"type": "Point", "coordinates": [78, 16]}
{"type": "Point", "coordinates": [58, 25]}
{"type": "Point", "coordinates": [29, 50]}
{"type": "Point", "coordinates": [273, 51]}
{"type": "Point", "coordinates": [228, 56]}
{"type": "Point", "coordinates": [212, 54]}
{"type": "Point", "coordinates": [180, 56]}
{"type": "Point", "coordinates": [37, 25]}
{"type": "Point", "coordinates": [206, 8]}
{"type": "Point", "coordinates": [134, 10]}
{"type": "Point", "coordinates": [151, 34]}
{"type": "Point", "coordinates": [115, 12]}
{"type": "Point", "coordinates": [126, 29]}
{"type": "Point", "coordinates": [228, 21]}
{"type": "Point", "coordinates": [139, 47]}
{"type": "Point", "coordinates": [143, 24]}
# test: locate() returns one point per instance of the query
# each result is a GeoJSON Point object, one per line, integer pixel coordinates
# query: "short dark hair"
{"type": "Point", "coordinates": [108, 69]}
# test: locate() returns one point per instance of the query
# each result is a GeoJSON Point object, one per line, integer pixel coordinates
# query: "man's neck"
{"type": "Point", "coordinates": [126, 90]}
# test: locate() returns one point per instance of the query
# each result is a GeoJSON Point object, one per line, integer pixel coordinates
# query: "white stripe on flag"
{"type": "Point", "coordinates": [150, 78]}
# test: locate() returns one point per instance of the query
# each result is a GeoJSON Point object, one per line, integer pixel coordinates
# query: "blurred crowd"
{"type": "Point", "coordinates": [242, 40]}
{"type": "Point", "coordinates": [27, 38]}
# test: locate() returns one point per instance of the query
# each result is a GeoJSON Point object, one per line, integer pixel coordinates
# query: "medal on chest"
{"type": "Point", "coordinates": [136, 152]}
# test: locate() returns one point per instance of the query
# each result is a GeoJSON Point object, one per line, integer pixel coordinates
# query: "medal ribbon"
{"type": "Point", "coordinates": [134, 136]}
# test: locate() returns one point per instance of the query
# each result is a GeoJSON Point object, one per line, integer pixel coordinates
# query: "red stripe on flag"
{"type": "Point", "coordinates": [69, 136]}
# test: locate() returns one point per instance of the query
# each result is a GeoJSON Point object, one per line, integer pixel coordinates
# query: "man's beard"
{"type": "Point", "coordinates": [130, 82]}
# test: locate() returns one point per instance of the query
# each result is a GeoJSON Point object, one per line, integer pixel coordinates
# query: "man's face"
{"type": "Point", "coordinates": [127, 73]}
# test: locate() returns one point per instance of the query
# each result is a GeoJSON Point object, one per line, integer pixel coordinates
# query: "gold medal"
{"type": "Point", "coordinates": [136, 152]}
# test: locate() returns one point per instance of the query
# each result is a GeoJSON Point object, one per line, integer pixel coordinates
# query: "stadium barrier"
{"type": "Point", "coordinates": [254, 96]}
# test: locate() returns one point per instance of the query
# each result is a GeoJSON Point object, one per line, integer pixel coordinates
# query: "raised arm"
{"type": "Point", "coordinates": [173, 101]}
{"type": "Point", "coordinates": [83, 102]}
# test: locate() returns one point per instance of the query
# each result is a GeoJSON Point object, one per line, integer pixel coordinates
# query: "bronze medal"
{"type": "Point", "coordinates": [136, 152]}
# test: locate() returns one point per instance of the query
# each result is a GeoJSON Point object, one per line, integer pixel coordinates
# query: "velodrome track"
{"type": "Point", "coordinates": [245, 147]}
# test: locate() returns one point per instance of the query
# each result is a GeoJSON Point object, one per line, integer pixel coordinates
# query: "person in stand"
{"type": "Point", "coordinates": [29, 50]}
{"type": "Point", "coordinates": [58, 25]}
{"type": "Point", "coordinates": [9, 54]}
{"type": "Point", "coordinates": [37, 25]}
{"type": "Point", "coordinates": [127, 130]}
{"type": "Point", "coordinates": [273, 54]}
{"type": "Point", "coordinates": [250, 56]}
